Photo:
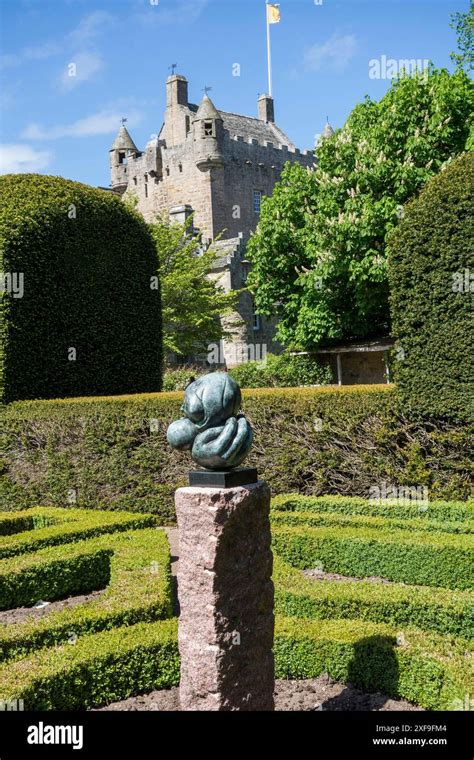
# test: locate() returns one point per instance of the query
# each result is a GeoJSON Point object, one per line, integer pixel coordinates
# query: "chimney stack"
{"type": "Point", "coordinates": [266, 108]}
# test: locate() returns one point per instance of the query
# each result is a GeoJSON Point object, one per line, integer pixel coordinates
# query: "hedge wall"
{"type": "Point", "coordinates": [112, 452]}
{"type": "Point", "coordinates": [431, 264]}
{"type": "Point", "coordinates": [86, 261]}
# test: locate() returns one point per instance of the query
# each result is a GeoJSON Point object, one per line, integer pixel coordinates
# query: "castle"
{"type": "Point", "coordinates": [215, 166]}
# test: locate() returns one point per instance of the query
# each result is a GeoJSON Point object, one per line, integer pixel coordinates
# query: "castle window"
{"type": "Point", "coordinates": [181, 167]}
{"type": "Point", "coordinates": [188, 125]}
{"type": "Point", "coordinates": [167, 171]}
{"type": "Point", "coordinates": [122, 157]}
{"type": "Point", "coordinates": [134, 180]}
{"type": "Point", "coordinates": [257, 201]}
{"type": "Point", "coordinates": [146, 177]}
{"type": "Point", "coordinates": [208, 129]}
{"type": "Point", "coordinates": [257, 323]}
{"type": "Point", "coordinates": [146, 190]}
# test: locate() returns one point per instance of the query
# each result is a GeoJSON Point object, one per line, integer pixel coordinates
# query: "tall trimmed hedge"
{"type": "Point", "coordinates": [86, 261]}
{"type": "Point", "coordinates": [431, 255]}
{"type": "Point", "coordinates": [112, 453]}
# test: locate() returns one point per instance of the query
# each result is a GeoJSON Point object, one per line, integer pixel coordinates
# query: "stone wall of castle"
{"type": "Point", "coordinates": [214, 173]}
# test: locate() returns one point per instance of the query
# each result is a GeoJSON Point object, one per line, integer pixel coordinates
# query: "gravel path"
{"type": "Point", "coordinates": [20, 614]}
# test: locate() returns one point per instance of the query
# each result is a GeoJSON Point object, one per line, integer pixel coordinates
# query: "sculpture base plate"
{"type": "Point", "coordinates": [223, 478]}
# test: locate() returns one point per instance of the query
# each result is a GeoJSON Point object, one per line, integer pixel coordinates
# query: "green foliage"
{"type": "Point", "coordinates": [283, 370]}
{"type": "Point", "coordinates": [111, 647]}
{"type": "Point", "coordinates": [363, 631]}
{"type": "Point", "coordinates": [52, 575]}
{"type": "Point", "coordinates": [315, 519]}
{"type": "Point", "coordinates": [433, 559]}
{"type": "Point", "coordinates": [120, 648]}
{"type": "Point", "coordinates": [97, 669]}
{"type": "Point", "coordinates": [193, 303]}
{"type": "Point", "coordinates": [426, 669]}
{"type": "Point", "coordinates": [177, 379]}
{"type": "Point", "coordinates": [87, 262]}
{"type": "Point", "coordinates": [432, 284]}
{"type": "Point", "coordinates": [434, 513]}
{"type": "Point", "coordinates": [60, 526]}
{"type": "Point", "coordinates": [463, 23]}
{"type": "Point", "coordinates": [319, 252]}
{"type": "Point", "coordinates": [275, 371]}
{"type": "Point", "coordinates": [139, 591]}
{"type": "Point", "coordinates": [113, 451]}
{"type": "Point", "coordinates": [432, 609]}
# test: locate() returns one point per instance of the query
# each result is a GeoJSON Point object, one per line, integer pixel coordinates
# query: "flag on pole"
{"type": "Point", "coordinates": [273, 13]}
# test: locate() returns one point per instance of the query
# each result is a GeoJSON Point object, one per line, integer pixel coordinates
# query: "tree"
{"type": "Point", "coordinates": [193, 302]}
{"type": "Point", "coordinates": [463, 24]}
{"type": "Point", "coordinates": [319, 252]}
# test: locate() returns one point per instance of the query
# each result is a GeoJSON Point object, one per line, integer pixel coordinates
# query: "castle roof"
{"type": "Point", "coordinates": [207, 109]}
{"type": "Point", "coordinates": [249, 127]}
{"type": "Point", "coordinates": [123, 141]}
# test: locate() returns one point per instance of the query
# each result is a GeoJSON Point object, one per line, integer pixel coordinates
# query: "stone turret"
{"type": "Point", "coordinates": [208, 129]}
{"type": "Point", "coordinates": [122, 150]}
{"type": "Point", "coordinates": [177, 119]}
{"type": "Point", "coordinates": [328, 130]}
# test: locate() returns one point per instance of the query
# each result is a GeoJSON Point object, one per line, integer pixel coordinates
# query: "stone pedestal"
{"type": "Point", "coordinates": [226, 598]}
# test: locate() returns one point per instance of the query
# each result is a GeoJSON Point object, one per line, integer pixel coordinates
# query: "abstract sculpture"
{"type": "Point", "coordinates": [218, 437]}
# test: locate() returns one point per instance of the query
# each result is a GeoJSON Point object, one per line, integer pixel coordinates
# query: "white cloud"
{"type": "Point", "coordinates": [90, 26]}
{"type": "Point", "coordinates": [35, 53]}
{"type": "Point", "coordinates": [80, 68]}
{"type": "Point", "coordinates": [20, 158]}
{"type": "Point", "coordinates": [103, 122]}
{"type": "Point", "coordinates": [335, 53]}
{"type": "Point", "coordinates": [172, 12]}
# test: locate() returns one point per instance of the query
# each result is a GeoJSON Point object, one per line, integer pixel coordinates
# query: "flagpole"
{"type": "Point", "coordinates": [269, 53]}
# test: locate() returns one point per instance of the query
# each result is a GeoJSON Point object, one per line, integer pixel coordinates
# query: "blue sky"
{"type": "Point", "coordinates": [54, 123]}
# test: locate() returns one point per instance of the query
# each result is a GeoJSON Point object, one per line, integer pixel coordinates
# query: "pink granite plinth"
{"type": "Point", "coordinates": [225, 594]}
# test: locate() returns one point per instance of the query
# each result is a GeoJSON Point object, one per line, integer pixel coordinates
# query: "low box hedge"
{"type": "Point", "coordinates": [432, 559]}
{"type": "Point", "coordinates": [367, 521]}
{"type": "Point", "coordinates": [67, 525]}
{"type": "Point", "coordinates": [95, 670]}
{"type": "Point", "coordinates": [113, 665]}
{"type": "Point", "coordinates": [20, 522]}
{"type": "Point", "coordinates": [429, 670]}
{"type": "Point", "coordinates": [52, 574]}
{"type": "Point", "coordinates": [434, 511]}
{"type": "Point", "coordinates": [139, 590]}
{"type": "Point", "coordinates": [433, 609]}
{"type": "Point", "coordinates": [113, 453]}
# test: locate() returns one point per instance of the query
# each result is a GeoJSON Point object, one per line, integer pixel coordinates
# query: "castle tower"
{"type": "Point", "coordinates": [208, 129]}
{"type": "Point", "coordinates": [177, 119]}
{"type": "Point", "coordinates": [122, 149]}
{"type": "Point", "coordinates": [328, 130]}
